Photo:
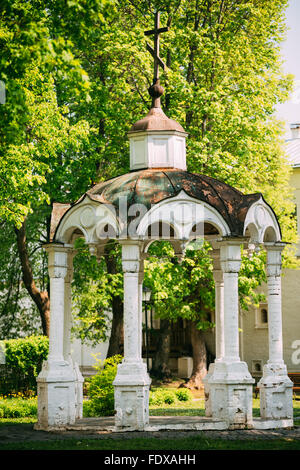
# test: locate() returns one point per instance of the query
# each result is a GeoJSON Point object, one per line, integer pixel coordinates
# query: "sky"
{"type": "Point", "coordinates": [290, 111]}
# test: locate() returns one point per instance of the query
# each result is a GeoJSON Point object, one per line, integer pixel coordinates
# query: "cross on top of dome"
{"type": "Point", "coordinates": [156, 90]}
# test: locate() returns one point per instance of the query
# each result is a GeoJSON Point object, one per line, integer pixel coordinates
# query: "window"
{"type": "Point", "coordinates": [261, 316]}
{"type": "Point", "coordinates": [257, 367]}
{"type": "Point", "coordinates": [264, 315]}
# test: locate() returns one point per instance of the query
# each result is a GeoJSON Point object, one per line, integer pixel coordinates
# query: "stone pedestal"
{"type": "Point", "coordinates": [276, 393]}
{"type": "Point", "coordinates": [132, 396]}
{"type": "Point", "coordinates": [231, 388]}
{"type": "Point", "coordinates": [56, 396]}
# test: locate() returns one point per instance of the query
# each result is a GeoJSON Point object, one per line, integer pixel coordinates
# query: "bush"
{"type": "Point", "coordinates": [184, 394]}
{"type": "Point", "coordinates": [18, 407]}
{"type": "Point", "coordinates": [162, 396]}
{"type": "Point", "coordinates": [23, 362]}
{"type": "Point", "coordinates": [156, 397]}
{"type": "Point", "coordinates": [100, 388]}
{"type": "Point", "coordinates": [169, 397]}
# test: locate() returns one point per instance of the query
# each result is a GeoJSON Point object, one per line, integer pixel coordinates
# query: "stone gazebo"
{"type": "Point", "coordinates": [159, 200]}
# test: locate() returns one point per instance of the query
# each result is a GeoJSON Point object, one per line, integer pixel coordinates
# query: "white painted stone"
{"type": "Point", "coordinates": [261, 223]}
{"type": "Point", "coordinates": [132, 380]}
{"type": "Point", "coordinates": [182, 212]}
{"type": "Point", "coordinates": [230, 383]}
{"type": "Point", "coordinates": [219, 328]}
{"type": "Point", "coordinates": [276, 396]}
{"type": "Point", "coordinates": [56, 381]}
{"type": "Point", "coordinates": [157, 149]}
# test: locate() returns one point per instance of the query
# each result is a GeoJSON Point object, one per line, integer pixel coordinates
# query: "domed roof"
{"type": "Point", "coordinates": [156, 120]}
{"type": "Point", "coordinates": [150, 186]}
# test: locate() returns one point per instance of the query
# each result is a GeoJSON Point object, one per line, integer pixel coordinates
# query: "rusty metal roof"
{"type": "Point", "coordinates": [156, 120]}
{"type": "Point", "coordinates": [150, 186]}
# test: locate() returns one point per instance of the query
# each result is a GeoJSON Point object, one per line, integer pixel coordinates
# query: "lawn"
{"type": "Point", "coordinates": [193, 443]}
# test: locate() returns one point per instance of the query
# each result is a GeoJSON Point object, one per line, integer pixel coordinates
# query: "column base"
{"type": "Point", "coordinates": [56, 396]}
{"type": "Point", "coordinates": [230, 394]}
{"type": "Point", "coordinates": [131, 386]}
{"type": "Point", "coordinates": [276, 393]}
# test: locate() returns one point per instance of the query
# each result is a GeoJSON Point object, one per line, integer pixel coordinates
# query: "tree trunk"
{"type": "Point", "coordinates": [115, 340]}
{"type": "Point", "coordinates": [116, 335]}
{"type": "Point", "coordinates": [160, 367]}
{"type": "Point", "coordinates": [199, 358]}
{"type": "Point", "coordinates": [40, 298]}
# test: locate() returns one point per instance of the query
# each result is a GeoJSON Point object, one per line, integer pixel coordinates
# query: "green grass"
{"type": "Point", "coordinates": [189, 443]}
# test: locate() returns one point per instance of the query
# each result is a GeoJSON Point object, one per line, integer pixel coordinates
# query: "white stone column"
{"type": "Point", "coordinates": [276, 399]}
{"type": "Point", "coordinates": [140, 322]}
{"type": "Point", "coordinates": [219, 325]}
{"type": "Point", "coordinates": [231, 383]}
{"type": "Point", "coordinates": [68, 308]}
{"type": "Point", "coordinates": [67, 337]}
{"type": "Point", "coordinates": [231, 265]}
{"type": "Point", "coordinates": [132, 381]}
{"type": "Point", "coordinates": [219, 312]}
{"type": "Point", "coordinates": [56, 382]}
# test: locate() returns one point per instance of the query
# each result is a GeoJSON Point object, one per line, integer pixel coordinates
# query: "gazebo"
{"type": "Point", "coordinates": [160, 200]}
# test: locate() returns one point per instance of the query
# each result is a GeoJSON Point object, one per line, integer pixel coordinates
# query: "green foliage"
{"type": "Point", "coordinates": [93, 291]}
{"type": "Point", "coordinates": [100, 388]}
{"type": "Point", "coordinates": [165, 396]}
{"type": "Point", "coordinates": [23, 362]}
{"type": "Point", "coordinates": [35, 57]}
{"type": "Point", "coordinates": [186, 290]}
{"type": "Point", "coordinates": [18, 407]}
{"type": "Point", "coordinates": [183, 394]}
{"type": "Point", "coordinates": [180, 290]}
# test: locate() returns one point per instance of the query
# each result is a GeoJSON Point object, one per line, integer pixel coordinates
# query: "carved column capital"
{"type": "Point", "coordinates": [131, 256]}
{"type": "Point", "coordinates": [274, 259]}
{"type": "Point", "coordinates": [58, 260]}
{"type": "Point", "coordinates": [230, 256]}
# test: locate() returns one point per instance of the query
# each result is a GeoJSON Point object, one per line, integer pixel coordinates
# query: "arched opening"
{"type": "Point", "coordinates": [270, 235]}
{"type": "Point", "coordinates": [160, 231]}
{"type": "Point", "coordinates": [105, 232]}
{"type": "Point", "coordinates": [252, 232]}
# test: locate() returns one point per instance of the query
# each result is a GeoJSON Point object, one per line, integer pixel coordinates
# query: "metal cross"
{"type": "Point", "coordinates": [155, 52]}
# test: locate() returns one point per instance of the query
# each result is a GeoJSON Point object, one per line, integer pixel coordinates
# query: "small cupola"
{"type": "Point", "coordinates": [157, 142]}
